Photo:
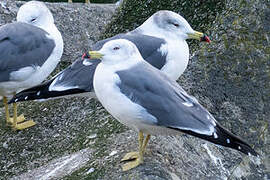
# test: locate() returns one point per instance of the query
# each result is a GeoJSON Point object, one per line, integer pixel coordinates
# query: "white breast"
{"type": "Point", "coordinates": [46, 69]}
{"type": "Point", "coordinates": [40, 73]}
{"type": "Point", "coordinates": [116, 103]}
{"type": "Point", "coordinates": [177, 59]}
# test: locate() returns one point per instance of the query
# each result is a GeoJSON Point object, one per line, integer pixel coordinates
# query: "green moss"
{"type": "Point", "coordinates": [104, 127]}
{"type": "Point", "coordinates": [237, 65]}
{"type": "Point", "coordinates": [57, 134]}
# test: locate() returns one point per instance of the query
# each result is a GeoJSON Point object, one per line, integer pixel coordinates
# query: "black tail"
{"type": "Point", "coordinates": [225, 138]}
{"type": "Point", "coordinates": [42, 92]}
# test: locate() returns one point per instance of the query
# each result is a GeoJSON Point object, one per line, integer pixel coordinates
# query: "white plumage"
{"type": "Point", "coordinates": [144, 99]}
{"type": "Point", "coordinates": [30, 50]}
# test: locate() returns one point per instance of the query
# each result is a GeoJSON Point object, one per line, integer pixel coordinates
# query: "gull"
{"type": "Point", "coordinates": [161, 40]}
{"type": "Point", "coordinates": [148, 101]}
{"type": "Point", "coordinates": [30, 49]}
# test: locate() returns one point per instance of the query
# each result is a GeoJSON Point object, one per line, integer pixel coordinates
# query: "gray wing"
{"type": "Point", "coordinates": [22, 47]}
{"type": "Point", "coordinates": [148, 46]}
{"type": "Point", "coordinates": [78, 78]}
{"type": "Point", "coordinates": [174, 108]}
{"type": "Point", "coordinates": [80, 74]}
{"type": "Point", "coordinates": [165, 99]}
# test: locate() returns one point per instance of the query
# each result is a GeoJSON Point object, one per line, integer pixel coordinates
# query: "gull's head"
{"type": "Point", "coordinates": [35, 13]}
{"type": "Point", "coordinates": [168, 24]}
{"type": "Point", "coordinates": [116, 51]}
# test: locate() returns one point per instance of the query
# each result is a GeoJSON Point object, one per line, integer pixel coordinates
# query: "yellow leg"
{"type": "Point", "coordinates": [9, 120]}
{"type": "Point", "coordinates": [14, 124]}
{"type": "Point", "coordinates": [16, 120]}
{"type": "Point", "coordinates": [70, 1]}
{"type": "Point", "coordinates": [134, 155]}
{"type": "Point", "coordinates": [6, 109]}
{"type": "Point", "coordinates": [145, 142]}
{"type": "Point", "coordinates": [136, 158]}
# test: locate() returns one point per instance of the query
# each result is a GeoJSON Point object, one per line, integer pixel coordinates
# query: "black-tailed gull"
{"type": "Point", "coordinates": [161, 40]}
{"type": "Point", "coordinates": [30, 49]}
{"type": "Point", "coordinates": [147, 100]}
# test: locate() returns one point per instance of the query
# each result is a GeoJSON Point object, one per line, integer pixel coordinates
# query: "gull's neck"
{"type": "Point", "coordinates": [177, 48]}
{"type": "Point", "coordinates": [49, 28]}
{"type": "Point", "coordinates": [127, 64]}
{"type": "Point", "coordinates": [150, 28]}
{"type": "Point", "coordinates": [177, 59]}
{"type": "Point", "coordinates": [55, 34]}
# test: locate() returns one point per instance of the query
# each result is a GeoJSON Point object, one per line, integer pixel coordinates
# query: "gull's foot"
{"type": "Point", "coordinates": [19, 119]}
{"type": "Point", "coordinates": [134, 161]}
{"type": "Point", "coordinates": [130, 156]}
{"type": "Point", "coordinates": [24, 125]}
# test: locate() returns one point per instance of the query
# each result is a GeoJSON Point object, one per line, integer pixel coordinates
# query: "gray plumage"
{"type": "Point", "coordinates": [148, 47]}
{"type": "Point", "coordinates": [161, 40]}
{"type": "Point", "coordinates": [167, 105]}
{"type": "Point", "coordinates": [21, 46]}
{"type": "Point", "coordinates": [78, 78]}
{"type": "Point", "coordinates": [164, 99]}
{"type": "Point", "coordinates": [145, 99]}
{"type": "Point", "coordinates": [71, 77]}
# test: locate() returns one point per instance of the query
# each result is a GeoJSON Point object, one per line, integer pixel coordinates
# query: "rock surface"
{"type": "Point", "coordinates": [134, 13]}
{"type": "Point", "coordinates": [230, 77]}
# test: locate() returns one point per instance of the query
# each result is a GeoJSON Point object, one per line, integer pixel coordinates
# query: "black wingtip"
{"type": "Point", "coordinates": [17, 98]}
{"type": "Point", "coordinates": [42, 92]}
{"type": "Point", "coordinates": [27, 95]}
{"type": "Point", "coordinates": [228, 139]}
{"type": "Point", "coordinates": [32, 93]}
{"type": "Point", "coordinates": [225, 138]}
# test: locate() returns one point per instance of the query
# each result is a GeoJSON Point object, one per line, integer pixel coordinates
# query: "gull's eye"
{"type": "Point", "coordinates": [176, 25]}
{"type": "Point", "coordinates": [116, 48]}
{"type": "Point", "coordinates": [33, 20]}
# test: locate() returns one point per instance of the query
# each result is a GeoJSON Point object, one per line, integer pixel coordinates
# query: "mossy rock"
{"type": "Point", "coordinates": [131, 14]}
{"type": "Point", "coordinates": [230, 77]}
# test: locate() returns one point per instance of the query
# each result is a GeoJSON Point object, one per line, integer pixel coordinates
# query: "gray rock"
{"type": "Point", "coordinates": [59, 167]}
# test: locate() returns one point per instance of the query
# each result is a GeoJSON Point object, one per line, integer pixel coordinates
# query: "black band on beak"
{"type": "Point", "coordinates": [86, 56]}
{"type": "Point", "coordinates": [205, 38]}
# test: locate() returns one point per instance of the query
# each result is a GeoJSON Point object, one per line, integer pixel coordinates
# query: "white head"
{"type": "Point", "coordinates": [35, 13]}
{"type": "Point", "coordinates": [117, 51]}
{"type": "Point", "coordinates": [168, 24]}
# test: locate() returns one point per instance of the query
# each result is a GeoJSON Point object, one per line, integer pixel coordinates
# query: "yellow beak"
{"type": "Point", "coordinates": [196, 35]}
{"type": "Point", "coordinates": [95, 55]}
{"type": "Point", "coordinates": [199, 36]}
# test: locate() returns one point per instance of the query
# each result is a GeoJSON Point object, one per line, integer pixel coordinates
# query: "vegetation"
{"type": "Point", "coordinates": [200, 14]}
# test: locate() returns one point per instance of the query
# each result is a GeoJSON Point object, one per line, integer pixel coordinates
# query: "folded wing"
{"type": "Point", "coordinates": [173, 107]}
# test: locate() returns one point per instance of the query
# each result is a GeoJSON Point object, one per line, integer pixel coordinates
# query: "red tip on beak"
{"type": "Point", "coordinates": [85, 56]}
{"type": "Point", "coordinates": [206, 39]}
